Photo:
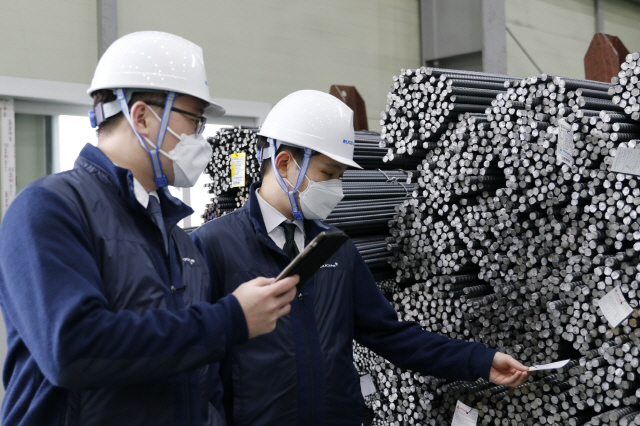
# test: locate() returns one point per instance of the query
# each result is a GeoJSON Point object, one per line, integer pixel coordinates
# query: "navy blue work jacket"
{"type": "Point", "coordinates": [105, 326]}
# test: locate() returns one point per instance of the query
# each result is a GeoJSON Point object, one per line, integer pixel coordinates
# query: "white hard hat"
{"type": "Point", "coordinates": [153, 60]}
{"type": "Point", "coordinates": [315, 120]}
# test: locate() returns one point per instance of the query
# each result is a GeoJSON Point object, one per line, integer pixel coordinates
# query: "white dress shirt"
{"type": "Point", "coordinates": [141, 194]}
{"type": "Point", "coordinates": [272, 220]}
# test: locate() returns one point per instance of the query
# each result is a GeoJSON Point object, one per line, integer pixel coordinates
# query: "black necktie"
{"type": "Point", "coordinates": [290, 247]}
{"type": "Point", "coordinates": [155, 212]}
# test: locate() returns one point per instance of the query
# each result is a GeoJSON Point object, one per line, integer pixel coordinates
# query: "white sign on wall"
{"type": "Point", "coordinates": [7, 154]}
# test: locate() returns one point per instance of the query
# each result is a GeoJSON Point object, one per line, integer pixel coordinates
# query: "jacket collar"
{"type": "Point", "coordinates": [121, 180]}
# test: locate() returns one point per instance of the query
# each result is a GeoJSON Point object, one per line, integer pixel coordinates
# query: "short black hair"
{"type": "Point", "coordinates": [297, 153]}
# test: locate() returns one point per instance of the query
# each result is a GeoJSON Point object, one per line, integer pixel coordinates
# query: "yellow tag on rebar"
{"type": "Point", "coordinates": [238, 169]}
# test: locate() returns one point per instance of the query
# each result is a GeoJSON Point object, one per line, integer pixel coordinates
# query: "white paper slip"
{"type": "Point", "coordinates": [564, 149]}
{"type": "Point", "coordinates": [464, 415]}
{"type": "Point", "coordinates": [557, 364]}
{"type": "Point", "coordinates": [366, 385]}
{"type": "Point", "coordinates": [627, 160]}
{"type": "Point", "coordinates": [614, 307]}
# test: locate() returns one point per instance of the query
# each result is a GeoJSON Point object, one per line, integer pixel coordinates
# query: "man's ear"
{"type": "Point", "coordinates": [140, 117]}
{"type": "Point", "coordinates": [283, 161]}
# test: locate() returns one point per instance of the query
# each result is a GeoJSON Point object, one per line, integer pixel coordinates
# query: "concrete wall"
{"type": "Point", "coordinates": [556, 34]}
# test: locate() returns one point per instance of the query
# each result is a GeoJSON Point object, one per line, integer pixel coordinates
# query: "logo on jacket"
{"type": "Point", "coordinates": [189, 261]}
{"type": "Point", "coordinates": [329, 265]}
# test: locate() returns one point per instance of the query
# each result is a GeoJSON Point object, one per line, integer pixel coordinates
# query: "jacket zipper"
{"type": "Point", "coordinates": [176, 306]}
{"type": "Point", "coordinates": [310, 364]}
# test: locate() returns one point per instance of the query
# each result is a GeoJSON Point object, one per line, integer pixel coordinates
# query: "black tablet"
{"type": "Point", "coordinates": [314, 255]}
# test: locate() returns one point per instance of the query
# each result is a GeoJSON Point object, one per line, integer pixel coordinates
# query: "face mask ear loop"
{"type": "Point", "coordinates": [303, 168]}
{"type": "Point", "coordinates": [160, 178]}
{"type": "Point", "coordinates": [279, 179]}
{"type": "Point", "coordinates": [297, 214]}
{"type": "Point", "coordinates": [164, 123]}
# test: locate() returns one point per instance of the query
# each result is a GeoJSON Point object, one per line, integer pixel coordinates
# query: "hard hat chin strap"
{"type": "Point", "coordinates": [158, 174]}
{"type": "Point", "coordinates": [297, 214]}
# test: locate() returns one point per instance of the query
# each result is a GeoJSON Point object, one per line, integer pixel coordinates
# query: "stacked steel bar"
{"type": "Point", "coordinates": [425, 230]}
{"type": "Point", "coordinates": [371, 197]}
{"type": "Point", "coordinates": [626, 92]}
{"type": "Point", "coordinates": [370, 202]}
{"type": "Point", "coordinates": [521, 264]}
{"type": "Point", "coordinates": [424, 101]}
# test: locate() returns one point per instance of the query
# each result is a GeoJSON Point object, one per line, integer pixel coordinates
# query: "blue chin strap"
{"type": "Point", "coordinates": [297, 214]}
{"type": "Point", "coordinates": [154, 154]}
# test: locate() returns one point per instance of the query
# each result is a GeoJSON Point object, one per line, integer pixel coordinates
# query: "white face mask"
{"type": "Point", "coordinates": [320, 198]}
{"type": "Point", "coordinates": [190, 156]}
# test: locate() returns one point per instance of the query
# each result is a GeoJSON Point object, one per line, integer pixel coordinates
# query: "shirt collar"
{"type": "Point", "coordinates": [141, 194]}
{"type": "Point", "coordinates": [272, 217]}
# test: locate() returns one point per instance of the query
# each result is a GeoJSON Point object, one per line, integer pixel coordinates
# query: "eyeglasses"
{"type": "Point", "coordinates": [202, 120]}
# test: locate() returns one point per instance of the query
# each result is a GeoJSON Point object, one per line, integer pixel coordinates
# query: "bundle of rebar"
{"type": "Point", "coordinates": [519, 227]}
{"type": "Point", "coordinates": [370, 202]}
{"type": "Point", "coordinates": [626, 89]}
{"type": "Point", "coordinates": [230, 194]}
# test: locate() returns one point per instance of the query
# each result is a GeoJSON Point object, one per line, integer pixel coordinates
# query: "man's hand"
{"type": "Point", "coordinates": [263, 303]}
{"type": "Point", "coordinates": [507, 371]}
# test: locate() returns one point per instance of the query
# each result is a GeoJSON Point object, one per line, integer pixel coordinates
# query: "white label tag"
{"type": "Point", "coordinates": [238, 169]}
{"type": "Point", "coordinates": [366, 385]}
{"type": "Point", "coordinates": [553, 365]}
{"type": "Point", "coordinates": [7, 154]}
{"type": "Point", "coordinates": [627, 160]}
{"type": "Point", "coordinates": [564, 150]}
{"type": "Point", "coordinates": [464, 415]}
{"type": "Point", "coordinates": [614, 307]}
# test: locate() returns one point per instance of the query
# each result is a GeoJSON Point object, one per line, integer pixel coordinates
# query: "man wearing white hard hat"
{"type": "Point", "coordinates": [303, 372]}
{"type": "Point", "coordinates": [105, 299]}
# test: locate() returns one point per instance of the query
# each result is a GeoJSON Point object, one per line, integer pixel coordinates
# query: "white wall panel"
{"type": "Point", "coordinates": [622, 18]}
{"type": "Point", "coordinates": [48, 39]}
{"type": "Point", "coordinates": [254, 50]}
{"type": "Point", "coordinates": [262, 51]}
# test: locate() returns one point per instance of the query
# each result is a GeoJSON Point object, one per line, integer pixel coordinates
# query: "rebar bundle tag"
{"type": "Point", "coordinates": [464, 415]}
{"type": "Point", "coordinates": [551, 366]}
{"type": "Point", "coordinates": [627, 160]}
{"type": "Point", "coordinates": [238, 169]}
{"type": "Point", "coordinates": [366, 385]}
{"type": "Point", "coordinates": [615, 307]}
{"type": "Point", "coordinates": [564, 150]}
